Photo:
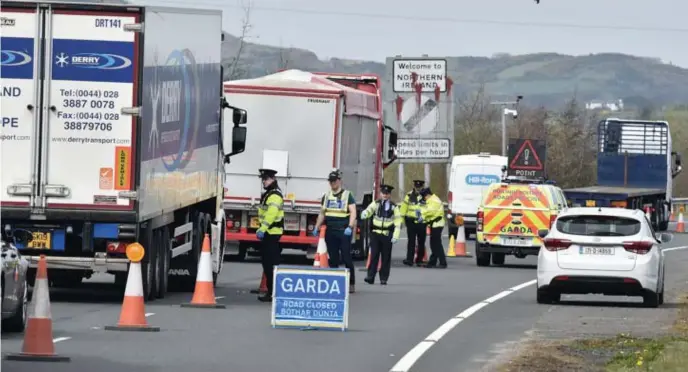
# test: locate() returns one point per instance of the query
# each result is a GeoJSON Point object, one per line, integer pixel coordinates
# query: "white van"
{"type": "Point", "coordinates": [470, 177]}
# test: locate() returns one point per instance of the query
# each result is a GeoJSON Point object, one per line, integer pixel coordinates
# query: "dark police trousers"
{"type": "Point", "coordinates": [380, 245]}
{"type": "Point", "coordinates": [416, 235]}
{"type": "Point", "coordinates": [436, 247]}
{"type": "Point", "coordinates": [339, 250]}
{"type": "Point", "coordinates": [270, 257]}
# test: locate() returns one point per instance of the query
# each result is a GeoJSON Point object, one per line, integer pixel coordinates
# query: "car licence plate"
{"type": "Point", "coordinates": [515, 242]}
{"type": "Point", "coordinates": [40, 240]}
{"type": "Point", "coordinates": [596, 251]}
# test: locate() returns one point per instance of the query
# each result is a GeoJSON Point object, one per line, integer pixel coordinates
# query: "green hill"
{"type": "Point", "coordinates": [544, 78]}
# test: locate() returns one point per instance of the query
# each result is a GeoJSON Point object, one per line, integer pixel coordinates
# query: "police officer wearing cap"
{"type": "Point", "coordinates": [271, 217]}
{"type": "Point", "coordinates": [386, 229]}
{"type": "Point", "coordinates": [338, 213]}
{"type": "Point", "coordinates": [414, 230]}
{"type": "Point", "coordinates": [432, 213]}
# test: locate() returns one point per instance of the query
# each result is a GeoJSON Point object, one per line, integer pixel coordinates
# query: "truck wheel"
{"type": "Point", "coordinates": [148, 266]}
{"type": "Point", "coordinates": [164, 254]}
{"type": "Point", "coordinates": [498, 258]}
{"type": "Point", "coordinates": [482, 258]}
{"type": "Point", "coordinates": [188, 283]}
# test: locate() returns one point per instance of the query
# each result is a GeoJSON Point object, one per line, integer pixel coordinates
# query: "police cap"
{"type": "Point", "coordinates": [386, 189]}
{"type": "Point", "coordinates": [418, 183]}
{"type": "Point", "coordinates": [266, 173]}
{"type": "Point", "coordinates": [425, 191]}
{"type": "Point", "coordinates": [334, 175]}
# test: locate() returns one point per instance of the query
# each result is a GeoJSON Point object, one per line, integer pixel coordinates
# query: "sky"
{"type": "Point", "coordinates": [376, 29]}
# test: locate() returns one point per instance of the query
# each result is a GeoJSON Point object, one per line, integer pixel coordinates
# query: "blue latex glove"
{"type": "Point", "coordinates": [420, 219]}
{"type": "Point", "coordinates": [418, 215]}
{"type": "Point", "coordinates": [394, 240]}
{"type": "Point", "coordinates": [315, 232]}
{"type": "Point", "coordinates": [347, 231]}
{"type": "Point", "coordinates": [260, 235]}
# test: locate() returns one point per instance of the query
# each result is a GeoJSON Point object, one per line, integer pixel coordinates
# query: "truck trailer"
{"type": "Point", "coordinates": [112, 133]}
{"type": "Point", "coordinates": [635, 169]}
{"type": "Point", "coordinates": [308, 125]}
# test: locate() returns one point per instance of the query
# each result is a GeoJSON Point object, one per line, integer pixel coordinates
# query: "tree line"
{"type": "Point", "coordinates": [570, 134]}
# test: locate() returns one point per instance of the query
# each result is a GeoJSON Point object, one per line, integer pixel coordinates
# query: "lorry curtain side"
{"type": "Point", "coordinates": [74, 100]}
{"type": "Point", "coordinates": [302, 128]}
{"type": "Point", "coordinates": [180, 121]}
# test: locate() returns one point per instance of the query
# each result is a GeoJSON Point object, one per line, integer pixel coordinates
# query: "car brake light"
{"type": "Point", "coordinates": [556, 244]}
{"type": "Point", "coordinates": [450, 197]}
{"type": "Point", "coordinates": [640, 247]}
{"type": "Point", "coordinates": [479, 222]}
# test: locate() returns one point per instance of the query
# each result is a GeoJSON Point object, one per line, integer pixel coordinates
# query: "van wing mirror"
{"type": "Point", "coordinates": [238, 142]}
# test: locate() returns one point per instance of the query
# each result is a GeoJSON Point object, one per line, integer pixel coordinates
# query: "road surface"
{"type": "Point", "coordinates": [388, 324]}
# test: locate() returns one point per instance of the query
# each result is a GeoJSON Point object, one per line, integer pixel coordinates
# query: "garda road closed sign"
{"type": "Point", "coordinates": [305, 297]}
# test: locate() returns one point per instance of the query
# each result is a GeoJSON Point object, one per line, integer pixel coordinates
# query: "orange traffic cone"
{"type": "Point", "coordinates": [38, 337]}
{"type": "Point", "coordinates": [263, 286]}
{"type": "Point", "coordinates": [133, 314]}
{"type": "Point", "coordinates": [321, 259]}
{"type": "Point", "coordinates": [204, 293]}
{"type": "Point", "coordinates": [680, 227]}
{"type": "Point", "coordinates": [460, 243]}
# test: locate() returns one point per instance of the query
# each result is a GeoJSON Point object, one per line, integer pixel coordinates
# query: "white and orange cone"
{"type": "Point", "coordinates": [133, 314]}
{"type": "Point", "coordinates": [38, 336]}
{"type": "Point", "coordinates": [680, 226]}
{"type": "Point", "coordinates": [204, 293]}
{"type": "Point", "coordinates": [459, 248]}
{"type": "Point", "coordinates": [321, 258]}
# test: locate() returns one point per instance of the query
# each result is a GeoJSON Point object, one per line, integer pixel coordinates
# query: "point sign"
{"type": "Point", "coordinates": [527, 158]}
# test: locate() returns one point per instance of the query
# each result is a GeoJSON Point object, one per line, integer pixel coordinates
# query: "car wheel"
{"type": "Point", "coordinates": [544, 296]}
{"type": "Point", "coordinates": [17, 322]}
{"type": "Point", "coordinates": [651, 299]}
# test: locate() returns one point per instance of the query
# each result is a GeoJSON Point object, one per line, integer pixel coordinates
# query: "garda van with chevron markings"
{"type": "Point", "coordinates": [510, 215]}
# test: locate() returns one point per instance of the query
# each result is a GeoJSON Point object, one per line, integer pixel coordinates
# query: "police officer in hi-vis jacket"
{"type": "Point", "coordinates": [271, 217]}
{"type": "Point", "coordinates": [432, 213]}
{"type": "Point", "coordinates": [415, 230]}
{"type": "Point", "coordinates": [338, 213]}
{"type": "Point", "coordinates": [386, 229]}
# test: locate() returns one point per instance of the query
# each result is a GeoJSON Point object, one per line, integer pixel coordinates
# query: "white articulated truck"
{"type": "Point", "coordinates": [112, 133]}
{"type": "Point", "coordinates": [303, 126]}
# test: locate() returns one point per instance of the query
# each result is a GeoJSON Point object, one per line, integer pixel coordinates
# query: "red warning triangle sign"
{"type": "Point", "coordinates": [526, 158]}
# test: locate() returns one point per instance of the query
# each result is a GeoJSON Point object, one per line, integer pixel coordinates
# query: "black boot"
{"type": "Point", "coordinates": [369, 280]}
{"type": "Point", "coordinates": [407, 262]}
{"type": "Point", "coordinates": [383, 282]}
{"type": "Point", "coordinates": [265, 298]}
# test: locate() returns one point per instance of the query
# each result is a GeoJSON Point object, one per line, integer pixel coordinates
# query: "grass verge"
{"type": "Point", "coordinates": [622, 353]}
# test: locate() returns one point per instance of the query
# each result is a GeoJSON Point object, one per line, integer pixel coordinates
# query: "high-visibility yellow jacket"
{"type": "Point", "coordinates": [384, 220]}
{"type": "Point", "coordinates": [271, 212]}
{"type": "Point", "coordinates": [410, 204]}
{"type": "Point", "coordinates": [433, 212]}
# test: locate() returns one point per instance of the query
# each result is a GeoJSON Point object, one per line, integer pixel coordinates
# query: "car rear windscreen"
{"type": "Point", "coordinates": [598, 225]}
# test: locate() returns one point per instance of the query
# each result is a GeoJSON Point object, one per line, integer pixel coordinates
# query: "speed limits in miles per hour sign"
{"type": "Point", "coordinates": [418, 102]}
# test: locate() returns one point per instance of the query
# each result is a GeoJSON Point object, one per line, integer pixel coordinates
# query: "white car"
{"type": "Point", "coordinates": [610, 251]}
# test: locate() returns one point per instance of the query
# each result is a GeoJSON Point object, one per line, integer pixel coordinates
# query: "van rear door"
{"type": "Point", "coordinates": [513, 214]}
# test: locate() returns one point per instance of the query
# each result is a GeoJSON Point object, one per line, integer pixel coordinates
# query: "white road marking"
{"type": "Point", "coordinates": [60, 339]}
{"type": "Point", "coordinates": [675, 248]}
{"type": "Point", "coordinates": [219, 297]}
{"type": "Point", "coordinates": [407, 361]}
{"type": "Point", "coordinates": [149, 314]}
